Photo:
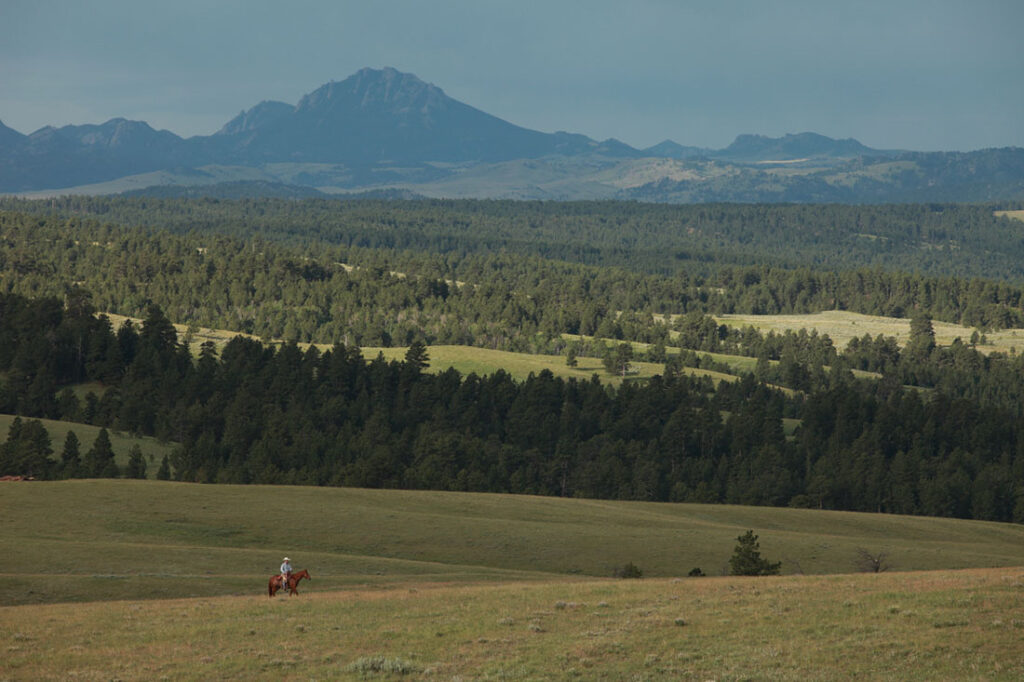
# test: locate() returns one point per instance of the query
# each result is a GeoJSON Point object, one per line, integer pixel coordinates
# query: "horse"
{"type": "Point", "coordinates": [293, 582]}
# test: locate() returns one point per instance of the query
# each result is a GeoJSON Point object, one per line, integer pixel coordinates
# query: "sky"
{"type": "Point", "coordinates": [895, 74]}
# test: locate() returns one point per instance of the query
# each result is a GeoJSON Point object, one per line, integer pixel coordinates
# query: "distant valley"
{"type": "Point", "coordinates": [387, 133]}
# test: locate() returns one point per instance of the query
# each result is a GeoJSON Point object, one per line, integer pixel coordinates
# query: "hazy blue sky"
{"type": "Point", "coordinates": [914, 74]}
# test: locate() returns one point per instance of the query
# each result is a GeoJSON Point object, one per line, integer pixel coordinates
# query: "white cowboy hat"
{"type": "Point", "coordinates": [287, 559]}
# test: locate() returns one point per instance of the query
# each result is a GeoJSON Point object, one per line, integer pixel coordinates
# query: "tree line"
{"type": "Point", "coordinates": [255, 413]}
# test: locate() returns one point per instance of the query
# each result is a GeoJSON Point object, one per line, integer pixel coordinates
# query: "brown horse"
{"type": "Point", "coordinates": [293, 582]}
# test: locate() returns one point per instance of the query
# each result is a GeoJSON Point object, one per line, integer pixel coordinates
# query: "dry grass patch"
{"type": "Point", "coordinates": [483, 361]}
{"type": "Point", "coordinates": [913, 626]}
{"type": "Point", "coordinates": [1017, 215]}
{"type": "Point", "coordinates": [841, 326]}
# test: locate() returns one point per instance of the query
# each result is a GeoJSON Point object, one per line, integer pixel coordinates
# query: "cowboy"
{"type": "Point", "coordinates": [286, 572]}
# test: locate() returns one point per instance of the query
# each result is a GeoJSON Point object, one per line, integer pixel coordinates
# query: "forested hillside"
{"type": "Point", "coordinates": [388, 273]}
{"type": "Point", "coordinates": [937, 430]}
{"type": "Point", "coordinates": [935, 239]}
{"type": "Point", "coordinates": [256, 414]}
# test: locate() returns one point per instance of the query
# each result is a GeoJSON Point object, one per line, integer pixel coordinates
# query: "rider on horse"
{"type": "Point", "coordinates": [286, 572]}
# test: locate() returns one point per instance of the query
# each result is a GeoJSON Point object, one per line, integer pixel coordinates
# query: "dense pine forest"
{"type": "Point", "coordinates": [264, 415]}
{"type": "Point", "coordinates": [932, 239]}
{"type": "Point", "coordinates": [936, 430]}
{"type": "Point", "coordinates": [243, 266]}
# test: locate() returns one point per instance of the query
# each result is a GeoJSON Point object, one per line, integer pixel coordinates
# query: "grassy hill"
{"type": "Point", "coordinates": [441, 585]}
{"type": "Point", "coordinates": [153, 451]}
{"type": "Point", "coordinates": [95, 540]}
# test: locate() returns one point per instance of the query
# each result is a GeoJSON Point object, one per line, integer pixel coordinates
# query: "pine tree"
{"type": "Point", "coordinates": [922, 336]}
{"type": "Point", "coordinates": [164, 472]}
{"type": "Point", "coordinates": [100, 456]}
{"type": "Point", "coordinates": [747, 560]}
{"type": "Point", "coordinates": [416, 357]}
{"type": "Point", "coordinates": [136, 463]}
{"type": "Point", "coordinates": [70, 457]}
{"type": "Point", "coordinates": [617, 358]}
{"type": "Point", "coordinates": [27, 450]}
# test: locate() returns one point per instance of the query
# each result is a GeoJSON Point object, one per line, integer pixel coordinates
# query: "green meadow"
{"type": "Point", "coordinates": [86, 540]}
{"type": "Point", "coordinates": [142, 580]}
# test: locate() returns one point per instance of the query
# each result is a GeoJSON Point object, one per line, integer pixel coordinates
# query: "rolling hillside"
{"type": "Point", "coordinates": [95, 540]}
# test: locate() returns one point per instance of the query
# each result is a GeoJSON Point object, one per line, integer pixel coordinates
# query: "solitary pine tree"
{"type": "Point", "coordinates": [416, 357]}
{"type": "Point", "coordinates": [747, 560]}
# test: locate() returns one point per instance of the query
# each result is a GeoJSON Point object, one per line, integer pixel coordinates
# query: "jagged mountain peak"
{"type": "Point", "coordinates": [386, 116]}
{"type": "Point", "coordinates": [114, 133]}
{"type": "Point", "coordinates": [263, 114]}
{"type": "Point", "coordinates": [381, 90]}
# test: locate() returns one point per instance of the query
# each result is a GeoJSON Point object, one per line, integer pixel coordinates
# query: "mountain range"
{"type": "Point", "coordinates": [387, 132]}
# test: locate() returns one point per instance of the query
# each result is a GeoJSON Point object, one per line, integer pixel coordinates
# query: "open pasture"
{"type": "Point", "coordinates": [85, 540]}
{"type": "Point", "coordinates": [483, 361]}
{"type": "Point", "coordinates": [841, 326]}
{"type": "Point", "coordinates": [946, 625]}
{"type": "Point", "coordinates": [1018, 215]}
{"type": "Point", "coordinates": [465, 359]}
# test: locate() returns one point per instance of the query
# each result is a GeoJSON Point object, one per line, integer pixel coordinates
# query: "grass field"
{"type": "Point", "coordinates": [169, 581]}
{"type": "Point", "coordinates": [947, 625]}
{"type": "Point", "coordinates": [467, 359]}
{"type": "Point", "coordinates": [1019, 215]}
{"type": "Point", "coordinates": [153, 451]}
{"type": "Point", "coordinates": [841, 326]}
{"type": "Point", "coordinates": [483, 361]}
{"type": "Point", "coordinates": [95, 540]}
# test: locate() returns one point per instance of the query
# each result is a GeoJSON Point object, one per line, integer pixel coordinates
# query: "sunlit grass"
{"type": "Point", "coordinates": [918, 626]}
{"type": "Point", "coordinates": [841, 326]}
{"type": "Point", "coordinates": [483, 361]}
